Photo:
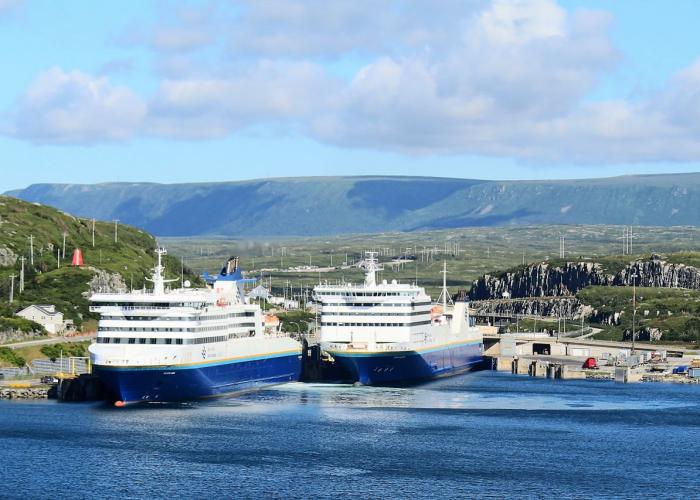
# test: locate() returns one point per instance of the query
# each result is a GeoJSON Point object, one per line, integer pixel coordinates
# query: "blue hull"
{"type": "Point", "coordinates": [408, 367]}
{"type": "Point", "coordinates": [183, 383]}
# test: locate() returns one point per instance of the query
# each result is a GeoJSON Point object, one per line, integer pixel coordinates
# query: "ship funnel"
{"type": "Point", "coordinates": [459, 317]}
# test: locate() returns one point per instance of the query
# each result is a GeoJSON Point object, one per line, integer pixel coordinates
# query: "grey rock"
{"type": "Point", "coordinates": [7, 257]}
{"type": "Point", "coordinates": [105, 282]}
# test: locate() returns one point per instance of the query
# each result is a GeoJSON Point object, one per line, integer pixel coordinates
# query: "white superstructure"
{"type": "Point", "coordinates": [170, 327]}
{"type": "Point", "coordinates": [387, 316]}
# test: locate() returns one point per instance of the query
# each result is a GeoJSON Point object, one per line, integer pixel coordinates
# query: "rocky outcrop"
{"type": "Point", "coordinates": [15, 335]}
{"type": "Point", "coordinates": [8, 258]}
{"type": "Point", "coordinates": [656, 272]}
{"type": "Point", "coordinates": [545, 280]}
{"type": "Point", "coordinates": [568, 307]}
{"type": "Point", "coordinates": [106, 282]}
{"type": "Point", "coordinates": [645, 334]}
{"type": "Point", "coordinates": [540, 280]}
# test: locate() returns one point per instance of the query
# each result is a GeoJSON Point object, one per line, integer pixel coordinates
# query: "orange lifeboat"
{"type": "Point", "coordinates": [271, 321]}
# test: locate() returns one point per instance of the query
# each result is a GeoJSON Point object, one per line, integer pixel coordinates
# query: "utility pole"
{"type": "Point", "coordinates": [58, 258]}
{"type": "Point", "coordinates": [31, 249]}
{"type": "Point", "coordinates": [631, 239]}
{"type": "Point", "coordinates": [116, 226]}
{"type": "Point", "coordinates": [64, 244]}
{"type": "Point", "coordinates": [93, 234]}
{"type": "Point", "coordinates": [634, 306]}
{"type": "Point", "coordinates": [21, 275]}
{"type": "Point", "coordinates": [562, 247]}
{"type": "Point", "coordinates": [12, 287]}
{"type": "Point", "coordinates": [624, 240]}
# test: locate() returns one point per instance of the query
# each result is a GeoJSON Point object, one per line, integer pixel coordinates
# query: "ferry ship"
{"type": "Point", "coordinates": [165, 345]}
{"type": "Point", "coordinates": [392, 334]}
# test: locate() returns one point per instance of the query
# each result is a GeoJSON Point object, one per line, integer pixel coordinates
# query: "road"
{"type": "Point", "coordinates": [50, 340]}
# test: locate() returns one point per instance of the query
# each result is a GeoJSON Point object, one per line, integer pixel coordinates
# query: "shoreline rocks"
{"type": "Point", "coordinates": [24, 393]}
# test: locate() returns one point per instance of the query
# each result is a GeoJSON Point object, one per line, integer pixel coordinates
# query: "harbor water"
{"type": "Point", "coordinates": [476, 435]}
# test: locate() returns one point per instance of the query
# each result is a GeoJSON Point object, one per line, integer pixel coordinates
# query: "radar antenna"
{"type": "Point", "coordinates": [157, 277]}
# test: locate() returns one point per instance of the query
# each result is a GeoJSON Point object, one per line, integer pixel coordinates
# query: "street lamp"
{"type": "Point", "coordinates": [297, 325]}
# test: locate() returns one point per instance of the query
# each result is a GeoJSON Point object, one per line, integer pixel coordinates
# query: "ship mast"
{"type": "Point", "coordinates": [444, 294]}
{"type": "Point", "coordinates": [157, 276]}
{"type": "Point", "coordinates": [372, 268]}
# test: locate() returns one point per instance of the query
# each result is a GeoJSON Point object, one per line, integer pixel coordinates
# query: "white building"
{"type": "Point", "coordinates": [46, 315]}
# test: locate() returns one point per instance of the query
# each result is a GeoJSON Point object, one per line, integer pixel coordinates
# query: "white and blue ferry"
{"type": "Point", "coordinates": [165, 345]}
{"type": "Point", "coordinates": [392, 334]}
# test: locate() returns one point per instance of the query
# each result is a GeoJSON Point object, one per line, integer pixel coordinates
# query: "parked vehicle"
{"type": "Point", "coordinates": [590, 364]}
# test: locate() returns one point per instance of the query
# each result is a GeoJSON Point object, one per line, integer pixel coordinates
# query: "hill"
{"type": "Point", "coordinates": [131, 257]}
{"type": "Point", "coordinates": [667, 294]}
{"type": "Point", "coordinates": [335, 205]}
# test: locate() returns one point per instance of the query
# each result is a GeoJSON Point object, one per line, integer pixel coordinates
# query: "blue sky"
{"type": "Point", "coordinates": [208, 91]}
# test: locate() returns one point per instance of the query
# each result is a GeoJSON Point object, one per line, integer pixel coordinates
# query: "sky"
{"type": "Point", "coordinates": [185, 91]}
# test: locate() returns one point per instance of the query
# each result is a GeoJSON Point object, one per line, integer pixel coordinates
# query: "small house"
{"type": "Point", "coordinates": [46, 315]}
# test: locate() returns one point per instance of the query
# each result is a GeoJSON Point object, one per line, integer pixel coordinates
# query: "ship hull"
{"type": "Point", "coordinates": [204, 380]}
{"type": "Point", "coordinates": [409, 367]}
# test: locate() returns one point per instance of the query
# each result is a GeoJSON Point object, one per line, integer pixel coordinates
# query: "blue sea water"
{"type": "Point", "coordinates": [477, 435]}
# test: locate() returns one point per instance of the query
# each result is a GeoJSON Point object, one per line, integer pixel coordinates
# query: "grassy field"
{"type": "Point", "coordinates": [469, 252]}
{"type": "Point", "coordinates": [21, 355]}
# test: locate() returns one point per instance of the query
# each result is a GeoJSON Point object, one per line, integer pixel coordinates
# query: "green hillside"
{"type": "Point", "coordinates": [306, 206]}
{"type": "Point", "coordinates": [132, 256]}
{"type": "Point", "coordinates": [674, 312]}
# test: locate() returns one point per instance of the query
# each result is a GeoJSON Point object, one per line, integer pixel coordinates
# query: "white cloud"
{"type": "Point", "coordinates": [6, 5]}
{"type": "Point", "coordinates": [75, 107]}
{"type": "Point", "coordinates": [274, 93]}
{"type": "Point", "coordinates": [517, 22]}
{"type": "Point", "coordinates": [501, 78]}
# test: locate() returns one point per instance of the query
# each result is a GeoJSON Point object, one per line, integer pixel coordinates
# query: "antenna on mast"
{"type": "Point", "coordinates": [157, 277]}
{"type": "Point", "coordinates": [372, 268]}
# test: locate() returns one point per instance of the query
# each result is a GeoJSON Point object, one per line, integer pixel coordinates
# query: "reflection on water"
{"type": "Point", "coordinates": [477, 435]}
{"type": "Point", "coordinates": [466, 393]}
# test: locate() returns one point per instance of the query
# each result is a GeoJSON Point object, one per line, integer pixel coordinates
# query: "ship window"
{"type": "Point", "coordinates": [117, 340]}
{"type": "Point", "coordinates": [178, 341]}
{"type": "Point", "coordinates": [168, 341]}
{"type": "Point", "coordinates": [153, 341]}
{"type": "Point", "coordinates": [142, 341]}
{"type": "Point", "coordinates": [132, 341]}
